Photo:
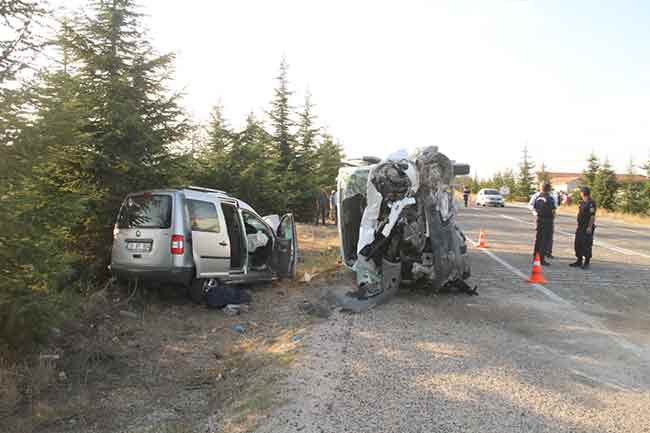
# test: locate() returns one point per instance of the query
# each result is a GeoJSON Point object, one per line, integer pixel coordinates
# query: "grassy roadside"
{"type": "Point", "coordinates": [319, 251]}
{"type": "Point", "coordinates": [604, 214]}
{"type": "Point", "coordinates": [613, 216]}
{"type": "Point", "coordinates": [151, 361]}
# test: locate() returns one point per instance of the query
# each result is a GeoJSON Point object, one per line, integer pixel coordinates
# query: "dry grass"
{"type": "Point", "coordinates": [24, 388]}
{"type": "Point", "coordinates": [167, 353]}
{"type": "Point", "coordinates": [319, 251]}
{"type": "Point", "coordinates": [610, 215]}
{"type": "Point", "coordinates": [269, 359]}
{"type": "Point", "coordinates": [9, 391]}
{"type": "Point", "coordinates": [604, 214]}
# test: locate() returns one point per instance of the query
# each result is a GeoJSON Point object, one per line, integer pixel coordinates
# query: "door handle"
{"type": "Point", "coordinates": [223, 243]}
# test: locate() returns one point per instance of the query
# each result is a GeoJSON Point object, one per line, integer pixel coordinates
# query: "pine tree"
{"type": "Point", "coordinates": [645, 190]}
{"type": "Point", "coordinates": [47, 192]}
{"type": "Point", "coordinates": [542, 175]}
{"type": "Point", "coordinates": [18, 42]}
{"type": "Point", "coordinates": [629, 192]}
{"type": "Point", "coordinates": [212, 165]}
{"type": "Point", "coordinates": [605, 187]}
{"type": "Point", "coordinates": [306, 136]}
{"type": "Point", "coordinates": [329, 156]}
{"type": "Point", "coordinates": [526, 178]}
{"type": "Point", "coordinates": [132, 119]}
{"type": "Point", "coordinates": [300, 179]}
{"type": "Point", "coordinates": [509, 180]}
{"type": "Point", "coordinates": [220, 135]}
{"type": "Point", "coordinates": [253, 152]}
{"type": "Point", "coordinates": [591, 172]}
{"type": "Point", "coordinates": [280, 115]}
{"type": "Point", "coordinates": [646, 168]}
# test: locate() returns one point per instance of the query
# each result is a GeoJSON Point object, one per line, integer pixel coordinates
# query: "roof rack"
{"type": "Point", "coordinates": [200, 188]}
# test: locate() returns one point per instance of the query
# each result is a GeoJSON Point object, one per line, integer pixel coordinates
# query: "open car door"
{"type": "Point", "coordinates": [285, 250]}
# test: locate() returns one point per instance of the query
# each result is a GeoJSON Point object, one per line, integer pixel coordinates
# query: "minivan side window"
{"type": "Point", "coordinates": [286, 230]}
{"type": "Point", "coordinates": [253, 224]}
{"type": "Point", "coordinates": [203, 216]}
{"type": "Point", "coordinates": [146, 211]}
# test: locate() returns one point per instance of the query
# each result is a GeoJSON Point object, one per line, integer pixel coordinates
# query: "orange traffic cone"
{"type": "Point", "coordinates": [481, 239]}
{"type": "Point", "coordinates": [536, 276]}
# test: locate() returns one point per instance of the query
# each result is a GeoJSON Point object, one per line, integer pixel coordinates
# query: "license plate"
{"type": "Point", "coordinates": [139, 246]}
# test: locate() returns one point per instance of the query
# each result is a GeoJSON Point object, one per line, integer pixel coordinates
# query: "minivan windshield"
{"type": "Point", "coordinates": [491, 192]}
{"type": "Point", "coordinates": [146, 211]}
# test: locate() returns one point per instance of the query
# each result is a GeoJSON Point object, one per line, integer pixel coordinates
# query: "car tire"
{"type": "Point", "coordinates": [195, 291]}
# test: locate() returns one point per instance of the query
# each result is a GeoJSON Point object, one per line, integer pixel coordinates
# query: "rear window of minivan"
{"type": "Point", "coordinates": [146, 211]}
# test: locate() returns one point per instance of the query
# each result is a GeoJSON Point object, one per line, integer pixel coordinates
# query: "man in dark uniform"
{"type": "Point", "coordinates": [465, 195]}
{"type": "Point", "coordinates": [545, 209]}
{"type": "Point", "coordinates": [585, 232]}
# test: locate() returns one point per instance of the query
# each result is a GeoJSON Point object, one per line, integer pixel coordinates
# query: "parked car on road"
{"type": "Point", "coordinates": [198, 236]}
{"type": "Point", "coordinates": [489, 197]}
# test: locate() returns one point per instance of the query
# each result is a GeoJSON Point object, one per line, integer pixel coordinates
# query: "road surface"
{"type": "Point", "coordinates": [572, 355]}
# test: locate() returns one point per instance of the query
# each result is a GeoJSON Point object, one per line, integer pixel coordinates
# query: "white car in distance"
{"type": "Point", "coordinates": [489, 197]}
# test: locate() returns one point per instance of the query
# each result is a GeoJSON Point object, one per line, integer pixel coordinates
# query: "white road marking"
{"type": "Point", "coordinates": [599, 243]}
{"type": "Point", "coordinates": [508, 217]}
{"type": "Point", "coordinates": [636, 232]}
{"type": "Point", "coordinates": [640, 351]}
{"type": "Point", "coordinates": [548, 293]}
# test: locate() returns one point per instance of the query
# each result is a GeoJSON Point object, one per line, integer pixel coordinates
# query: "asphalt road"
{"type": "Point", "coordinates": [572, 355]}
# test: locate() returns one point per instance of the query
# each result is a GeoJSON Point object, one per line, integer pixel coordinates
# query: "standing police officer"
{"type": "Point", "coordinates": [466, 194]}
{"type": "Point", "coordinates": [531, 206]}
{"type": "Point", "coordinates": [584, 239]}
{"type": "Point", "coordinates": [545, 210]}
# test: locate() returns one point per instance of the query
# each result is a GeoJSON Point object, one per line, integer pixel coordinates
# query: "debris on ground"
{"type": "Point", "coordinates": [239, 328]}
{"type": "Point", "coordinates": [232, 309]}
{"type": "Point", "coordinates": [218, 295]}
{"type": "Point", "coordinates": [318, 309]}
{"type": "Point", "coordinates": [129, 314]}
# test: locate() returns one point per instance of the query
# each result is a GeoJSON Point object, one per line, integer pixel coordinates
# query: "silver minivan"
{"type": "Point", "coordinates": [194, 236]}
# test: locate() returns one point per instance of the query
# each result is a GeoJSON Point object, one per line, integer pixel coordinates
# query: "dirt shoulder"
{"type": "Point", "coordinates": [151, 361]}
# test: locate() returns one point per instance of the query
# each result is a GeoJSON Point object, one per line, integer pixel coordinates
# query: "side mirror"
{"type": "Point", "coordinates": [461, 169]}
{"type": "Point", "coordinates": [371, 159]}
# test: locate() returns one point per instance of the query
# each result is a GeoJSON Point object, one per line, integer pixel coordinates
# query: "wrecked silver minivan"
{"type": "Point", "coordinates": [397, 222]}
{"type": "Point", "coordinates": [199, 236]}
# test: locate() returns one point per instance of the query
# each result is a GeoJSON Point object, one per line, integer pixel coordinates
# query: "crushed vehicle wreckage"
{"type": "Point", "coordinates": [397, 223]}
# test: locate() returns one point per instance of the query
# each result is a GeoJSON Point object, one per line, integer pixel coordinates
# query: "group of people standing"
{"type": "Point", "coordinates": [544, 206]}
{"type": "Point", "coordinates": [326, 206]}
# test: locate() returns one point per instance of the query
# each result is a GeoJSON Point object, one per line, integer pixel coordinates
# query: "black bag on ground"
{"type": "Point", "coordinates": [220, 295]}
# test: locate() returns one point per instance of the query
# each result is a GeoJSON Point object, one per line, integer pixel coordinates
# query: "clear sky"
{"type": "Point", "coordinates": [480, 79]}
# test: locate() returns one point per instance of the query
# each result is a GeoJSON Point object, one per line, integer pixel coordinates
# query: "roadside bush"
{"type": "Point", "coordinates": [631, 198]}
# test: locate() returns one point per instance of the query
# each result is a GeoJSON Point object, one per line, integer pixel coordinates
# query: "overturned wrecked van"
{"type": "Point", "coordinates": [200, 237]}
{"type": "Point", "coordinates": [397, 222]}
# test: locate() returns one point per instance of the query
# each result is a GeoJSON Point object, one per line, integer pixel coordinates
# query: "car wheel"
{"type": "Point", "coordinates": [196, 291]}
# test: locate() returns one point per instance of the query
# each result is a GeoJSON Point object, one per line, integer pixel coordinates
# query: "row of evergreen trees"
{"type": "Point", "coordinates": [520, 184]}
{"type": "Point", "coordinates": [276, 169]}
{"type": "Point", "coordinates": [608, 191]}
{"type": "Point", "coordinates": [627, 196]}
{"type": "Point", "coordinates": [100, 122]}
